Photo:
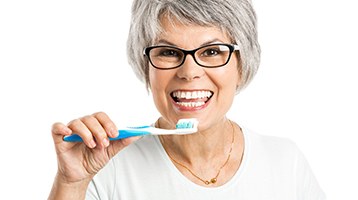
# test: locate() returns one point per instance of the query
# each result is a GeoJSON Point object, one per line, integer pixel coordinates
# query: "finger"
{"type": "Point", "coordinates": [78, 127]}
{"type": "Point", "coordinates": [58, 131]}
{"type": "Point", "coordinates": [97, 130]}
{"type": "Point", "coordinates": [107, 124]}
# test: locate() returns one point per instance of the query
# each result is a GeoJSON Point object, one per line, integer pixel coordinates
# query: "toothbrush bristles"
{"type": "Point", "coordinates": [187, 123]}
{"type": "Point", "coordinates": [184, 125]}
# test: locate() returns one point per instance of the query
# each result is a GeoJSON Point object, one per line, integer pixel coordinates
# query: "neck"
{"type": "Point", "coordinates": [203, 146]}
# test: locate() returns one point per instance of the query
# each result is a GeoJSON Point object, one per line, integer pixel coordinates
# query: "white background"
{"type": "Point", "coordinates": [60, 60]}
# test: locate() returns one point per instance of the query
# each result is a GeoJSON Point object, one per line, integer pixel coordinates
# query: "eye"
{"type": "Point", "coordinates": [166, 52]}
{"type": "Point", "coordinates": [211, 52]}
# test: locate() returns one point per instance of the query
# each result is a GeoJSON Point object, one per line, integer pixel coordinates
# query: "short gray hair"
{"type": "Point", "coordinates": [236, 17]}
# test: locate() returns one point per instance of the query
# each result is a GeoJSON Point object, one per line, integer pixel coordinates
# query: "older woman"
{"type": "Point", "coordinates": [197, 56]}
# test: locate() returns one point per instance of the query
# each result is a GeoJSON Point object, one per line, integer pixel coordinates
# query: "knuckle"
{"type": "Point", "coordinates": [99, 114]}
{"type": "Point", "coordinates": [74, 123]}
{"type": "Point", "coordinates": [87, 118]}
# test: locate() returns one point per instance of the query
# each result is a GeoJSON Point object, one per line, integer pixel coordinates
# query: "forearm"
{"type": "Point", "coordinates": [62, 189]}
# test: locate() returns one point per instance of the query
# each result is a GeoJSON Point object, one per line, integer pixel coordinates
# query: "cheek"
{"type": "Point", "coordinates": [154, 85]}
{"type": "Point", "coordinates": [227, 78]}
{"type": "Point", "coordinates": [159, 81]}
{"type": "Point", "coordinates": [154, 79]}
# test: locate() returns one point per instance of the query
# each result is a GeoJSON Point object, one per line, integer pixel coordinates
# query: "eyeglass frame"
{"type": "Point", "coordinates": [232, 48]}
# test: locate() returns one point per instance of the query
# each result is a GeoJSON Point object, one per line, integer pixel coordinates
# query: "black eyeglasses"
{"type": "Point", "coordinates": [210, 56]}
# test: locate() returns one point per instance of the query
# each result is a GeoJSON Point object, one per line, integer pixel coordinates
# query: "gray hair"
{"type": "Point", "coordinates": [236, 17]}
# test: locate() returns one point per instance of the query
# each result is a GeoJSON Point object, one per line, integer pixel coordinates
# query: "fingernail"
{"type": "Point", "coordinates": [114, 132]}
{"type": "Point", "coordinates": [105, 142]}
{"type": "Point", "coordinates": [92, 144]}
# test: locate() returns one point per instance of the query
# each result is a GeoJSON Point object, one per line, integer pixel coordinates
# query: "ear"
{"type": "Point", "coordinates": [238, 84]}
{"type": "Point", "coordinates": [238, 89]}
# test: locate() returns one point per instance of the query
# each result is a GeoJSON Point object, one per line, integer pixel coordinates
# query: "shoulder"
{"type": "Point", "coordinates": [269, 143]}
{"type": "Point", "coordinates": [278, 163]}
{"type": "Point", "coordinates": [265, 150]}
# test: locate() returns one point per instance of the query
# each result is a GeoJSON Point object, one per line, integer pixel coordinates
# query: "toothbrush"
{"type": "Point", "coordinates": [184, 126]}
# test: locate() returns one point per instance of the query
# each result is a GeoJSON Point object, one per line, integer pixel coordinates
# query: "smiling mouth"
{"type": "Point", "coordinates": [191, 99]}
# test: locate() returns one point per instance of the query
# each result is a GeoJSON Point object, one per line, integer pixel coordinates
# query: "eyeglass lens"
{"type": "Point", "coordinates": [207, 56]}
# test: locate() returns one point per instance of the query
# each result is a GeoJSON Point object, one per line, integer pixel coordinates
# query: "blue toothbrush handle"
{"type": "Point", "coordinates": [125, 133]}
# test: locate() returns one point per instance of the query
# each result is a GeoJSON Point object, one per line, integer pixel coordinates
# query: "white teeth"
{"type": "Point", "coordinates": [180, 95]}
{"type": "Point", "coordinates": [191, 104]}
{"type": "Point", "coordinates": [188, 95]}
{"type": "Point", "coordinates": [192, 95]}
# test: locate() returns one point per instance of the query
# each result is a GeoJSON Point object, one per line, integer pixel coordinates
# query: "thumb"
{"type": "Point", "coordinates": [58, 131]}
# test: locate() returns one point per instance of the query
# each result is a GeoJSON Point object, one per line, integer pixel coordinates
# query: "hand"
{"type": "Point", "coordinates": [82, 160]}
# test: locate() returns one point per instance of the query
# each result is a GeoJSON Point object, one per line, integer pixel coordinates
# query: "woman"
{"type": "Point", "coordinates": [197, 56]}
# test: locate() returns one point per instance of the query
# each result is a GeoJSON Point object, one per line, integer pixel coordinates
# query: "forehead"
{"type": "Point", "coordinates": [178, 33]}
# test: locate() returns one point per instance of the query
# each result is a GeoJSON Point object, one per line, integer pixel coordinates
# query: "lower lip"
{"type": "Point", "coordinates": [185, 108]}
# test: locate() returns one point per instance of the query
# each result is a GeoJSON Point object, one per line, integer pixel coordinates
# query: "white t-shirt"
{"type": "Point", "coordinates": [272, 169]}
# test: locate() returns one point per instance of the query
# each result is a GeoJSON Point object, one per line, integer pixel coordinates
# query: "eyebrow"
{"type": "Point", "coordinates": [166, 42]}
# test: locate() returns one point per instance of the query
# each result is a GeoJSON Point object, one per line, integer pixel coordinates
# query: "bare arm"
{"type": "Point", "coordinates": [62, 189]}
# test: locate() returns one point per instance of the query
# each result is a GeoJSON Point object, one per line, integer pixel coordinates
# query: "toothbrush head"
{"type": "Point", "coordinates": [187, 126]}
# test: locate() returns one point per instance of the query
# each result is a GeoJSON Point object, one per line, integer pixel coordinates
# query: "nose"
{"type": "Point", "coordinates": [190, 70]}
